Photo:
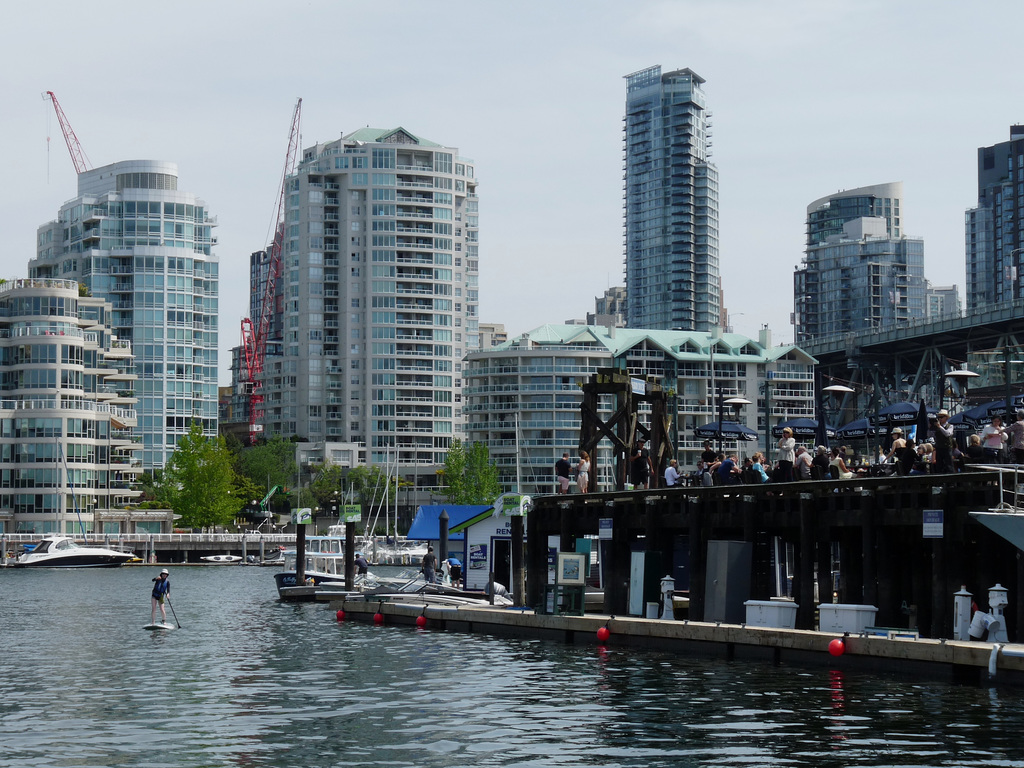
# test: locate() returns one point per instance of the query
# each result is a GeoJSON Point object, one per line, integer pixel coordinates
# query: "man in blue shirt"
{"type": "Point", "coordinates": [161, 590]}
{"type": "Point", "coordinates": [728, 472]}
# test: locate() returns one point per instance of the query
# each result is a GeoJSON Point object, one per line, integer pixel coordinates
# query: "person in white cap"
{"type": "Point", "coordinates": [943, 442]}
{"type": "Point", "coordinates": [898, 444]}
{"type": "Point", "coordinates": [161, 589]}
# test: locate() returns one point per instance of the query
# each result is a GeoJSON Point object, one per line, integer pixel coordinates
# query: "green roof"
{"type": "Point", "coordinates": [682, 345]}
{"type": "Point", "coordinates": [383, 134]}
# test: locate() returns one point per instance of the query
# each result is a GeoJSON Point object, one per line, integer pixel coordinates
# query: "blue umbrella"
{"type": "Point", "coordinates": [897, 414]}
{"type": "Point", "coordinates": [731, 430]}
{"type": "Point", "coordinates": [801, 428]}
{"type": "Point", "coordinates": [922, 422]}
{"type": "Point", "coordinates": [858, 428]}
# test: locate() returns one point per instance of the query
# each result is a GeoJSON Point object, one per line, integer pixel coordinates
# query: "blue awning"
{"type": "Point", "coordinates": [426, 525]}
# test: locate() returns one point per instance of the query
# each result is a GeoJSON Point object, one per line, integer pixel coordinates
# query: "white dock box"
{"type": "Point", "coordinates": [771, 613]}
{"type": "Point", "coordinates": [845, 617]}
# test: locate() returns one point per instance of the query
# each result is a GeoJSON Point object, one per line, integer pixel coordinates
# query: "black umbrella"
{"type": "Point", "coordinates": [922, 423]}
{"type": "Point", "coordinates": [731, 430]}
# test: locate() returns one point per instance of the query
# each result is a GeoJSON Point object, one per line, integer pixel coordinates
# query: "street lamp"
{"type": "Point", "coordinates": [736, 403]}
{"type": "Point", "coordinates": [962, 378]}
{"type": "Point", "coordinates": [837, 392]}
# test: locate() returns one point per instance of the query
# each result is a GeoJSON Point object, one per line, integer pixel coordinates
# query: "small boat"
{"type": "Point", "coordinates": [64, 552]}
{"type": "Point", "coordinates": [221, 559]}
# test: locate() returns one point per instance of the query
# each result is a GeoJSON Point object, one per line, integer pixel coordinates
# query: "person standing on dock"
{"type": "Point", "coordinates": [1016, 433]}
{"type": "Point", "coordinates": [787, 455]}
{"type": "Point", "coordinates": [943, 431]}
{"type": "Point", "coordinates": [429, 566]}
{"type": "Point", "coordinates": [563, 471]}
{"type": "Point", "coordinates": [161, 590]}
{"type": "Point", "coordinates": [362, 567]}
{"type": "Point", "coordinates": [583, 472]}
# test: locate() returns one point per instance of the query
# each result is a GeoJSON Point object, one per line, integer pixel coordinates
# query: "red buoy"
{"type": "Point", "coordinates": [603, 634]}
{"type": "Point", "coordinates": [421, 621]}
{"type": "Point", "coordinates": [378, 618]}
{"type": "Point", "coordinates": [340, 615]}
{"type": "Point", "coordinates": [837, 647]}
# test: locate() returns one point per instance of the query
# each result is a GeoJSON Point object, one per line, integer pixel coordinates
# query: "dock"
{"type": "Point", "coordinates": [960, 662]}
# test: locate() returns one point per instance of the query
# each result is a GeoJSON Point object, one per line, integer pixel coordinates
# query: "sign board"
{"type": "Point", "coordinates": [932, 528]}
{"type": "Point", "coordinates": [512, 504]}
{"type": "Point", "coordinates": [302, 516]}
{"type": "Point", "coordinates": [604, 529]}
{"type": "Point", "coordinates": [639, 386]}
{"type": "Point", "coordinates": [352, 513]}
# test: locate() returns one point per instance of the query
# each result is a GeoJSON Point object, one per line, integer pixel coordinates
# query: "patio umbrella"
{"type": "Point", "coordinates": [897, 414]}
{"type": "Point", "coordinates": [922, 423]}
{"type": "Point", "coordinates": [801, 428]}
{"type": "Point", "coordinates": [730, 430]}
{"type": "Point", "coordinates": [858, 428]}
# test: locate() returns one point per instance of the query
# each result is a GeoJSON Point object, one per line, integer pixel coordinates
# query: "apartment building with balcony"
{"type": "Point", "coordinates": [376, 304]}
{"type": "Point", "coordinates": [522, 399]}
{"type": "Point", "coordinates": [133, 238]}
{"type": "Point", "coordinates": [68, 448]}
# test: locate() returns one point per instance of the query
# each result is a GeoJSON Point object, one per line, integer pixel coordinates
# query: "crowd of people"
{"type": "Point", "coordinates": [936, 452]}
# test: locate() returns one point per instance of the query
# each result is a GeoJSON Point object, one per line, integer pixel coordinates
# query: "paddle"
{"type": "Point", "coordinates": [168, 598]}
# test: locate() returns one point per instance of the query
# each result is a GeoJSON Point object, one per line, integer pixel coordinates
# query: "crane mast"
{"type": "Point", "coordinates": [78, 157]}
{"type": "Point", "coordinates": [255, 332]}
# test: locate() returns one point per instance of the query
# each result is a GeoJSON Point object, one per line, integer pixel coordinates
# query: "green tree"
{"type": "Point", "coordinates": [268, 464]}
{"type": "Point", "coordinates": [198, 481]}
{"type": "Point", "coordinates": [470, 477]}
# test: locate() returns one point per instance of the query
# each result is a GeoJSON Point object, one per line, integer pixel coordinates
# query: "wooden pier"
{"type": "Point", "coordinates": [876, 525]}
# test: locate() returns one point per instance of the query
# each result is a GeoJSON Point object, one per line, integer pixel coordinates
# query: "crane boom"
{"type": "Point", "coordinates": [255, 332]}
{"type": "Point", "coordinates": [78, 157]}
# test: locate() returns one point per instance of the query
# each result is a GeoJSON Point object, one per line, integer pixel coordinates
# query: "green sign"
{"type": "Point", "coordinates": [302, 516]}
{"type": "Point", "coordinates": [352, 513]}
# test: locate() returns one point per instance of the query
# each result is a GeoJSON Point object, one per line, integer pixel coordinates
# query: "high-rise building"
{"type": "Point", "coordinates": [941, 300]}
{"type": "Point", "coordinates": [377, 297]}
{"type": "Point", "coordinates": [67, 395]}
{"type": "Point", "coordinates": [859, 271]}
{"type": "Point", "coordinates": [671, 203]}
{"type": "Point", "coordinates": [133, 238]}
{"type": "Point", "coordinates": [995, 229]}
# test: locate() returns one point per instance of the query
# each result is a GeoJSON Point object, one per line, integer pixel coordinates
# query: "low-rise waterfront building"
{"type": "Point", "coordinates": [523, 398]}
{"type": "Point", "coordinates": [68, 450]}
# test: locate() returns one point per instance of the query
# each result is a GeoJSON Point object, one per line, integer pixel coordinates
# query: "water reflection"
{"type": "Point", "coordinates": [249, 681]}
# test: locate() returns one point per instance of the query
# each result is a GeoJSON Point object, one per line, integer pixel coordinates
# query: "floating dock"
{"type": "Point", "coordinates": [950, 661]}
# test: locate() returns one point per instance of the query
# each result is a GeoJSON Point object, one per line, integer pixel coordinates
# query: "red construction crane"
{"type": "Point", "coordinates": [78, 157]}
{"type": "Point", "coordinates": [254, 333]}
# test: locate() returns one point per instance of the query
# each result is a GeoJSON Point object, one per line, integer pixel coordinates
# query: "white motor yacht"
{"type": "Point", "coordinates": [64, 552]}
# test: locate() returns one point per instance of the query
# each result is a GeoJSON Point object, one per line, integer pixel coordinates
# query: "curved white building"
{"type": "Point", "coordinates": [67, 396]}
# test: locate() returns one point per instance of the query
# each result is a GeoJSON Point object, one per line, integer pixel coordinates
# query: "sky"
{"type": "Point", "coordinates": [808, 98]}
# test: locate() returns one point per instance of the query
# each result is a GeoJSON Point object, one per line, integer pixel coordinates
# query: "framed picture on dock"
{"type": "Point", "coordinates": [572, 569]}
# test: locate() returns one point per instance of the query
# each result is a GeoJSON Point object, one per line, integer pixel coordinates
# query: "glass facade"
{"type": "Point", "coordinates": [671, 203]}
{"type": "Point", "coordinates": [995, 229]}
{"type": "Point", "coordinates": [132, 238]}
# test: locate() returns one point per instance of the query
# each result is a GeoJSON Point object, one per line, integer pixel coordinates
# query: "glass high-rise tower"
{"type": "Point", "coordinates": [133, 238]}
{"type": "Point", "coordinates": [671, 203]}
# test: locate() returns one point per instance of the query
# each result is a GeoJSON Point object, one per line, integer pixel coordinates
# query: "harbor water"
{"type": "Point", "coordinates": [250, 681]}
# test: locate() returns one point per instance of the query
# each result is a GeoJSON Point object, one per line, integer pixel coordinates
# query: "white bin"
{"type": "Point", "coordinates": [845, 617]}
{"type": "Point", "coordinates": [771, 613]}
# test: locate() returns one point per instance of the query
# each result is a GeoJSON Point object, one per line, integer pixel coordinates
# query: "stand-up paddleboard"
{"type": "Point", "coordinates": [160, 626]}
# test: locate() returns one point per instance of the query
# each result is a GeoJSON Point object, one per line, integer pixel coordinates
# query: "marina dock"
{"type": "Point", "coordinates": [962, 662]}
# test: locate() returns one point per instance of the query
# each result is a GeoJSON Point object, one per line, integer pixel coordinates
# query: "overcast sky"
{"type": "Point", "coordinates": [808, 98]}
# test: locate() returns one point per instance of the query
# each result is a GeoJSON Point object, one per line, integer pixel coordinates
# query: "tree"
{"type": "Point", "coordinates": [268, 464]}
{"type": "Point", "coordinates": [469, 475]}
{"type": "Point", "coordinates": [198, 481]}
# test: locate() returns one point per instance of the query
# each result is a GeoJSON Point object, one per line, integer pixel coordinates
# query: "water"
{"type": "Point", "coordinates": [253, 682]}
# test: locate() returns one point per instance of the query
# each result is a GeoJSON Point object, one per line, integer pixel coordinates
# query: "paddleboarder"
{"type": "Point", "coordinates": [161, 590]}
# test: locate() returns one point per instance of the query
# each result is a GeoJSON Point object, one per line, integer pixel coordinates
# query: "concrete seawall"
{"type": "Point", "coordinates": [946, 660]}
